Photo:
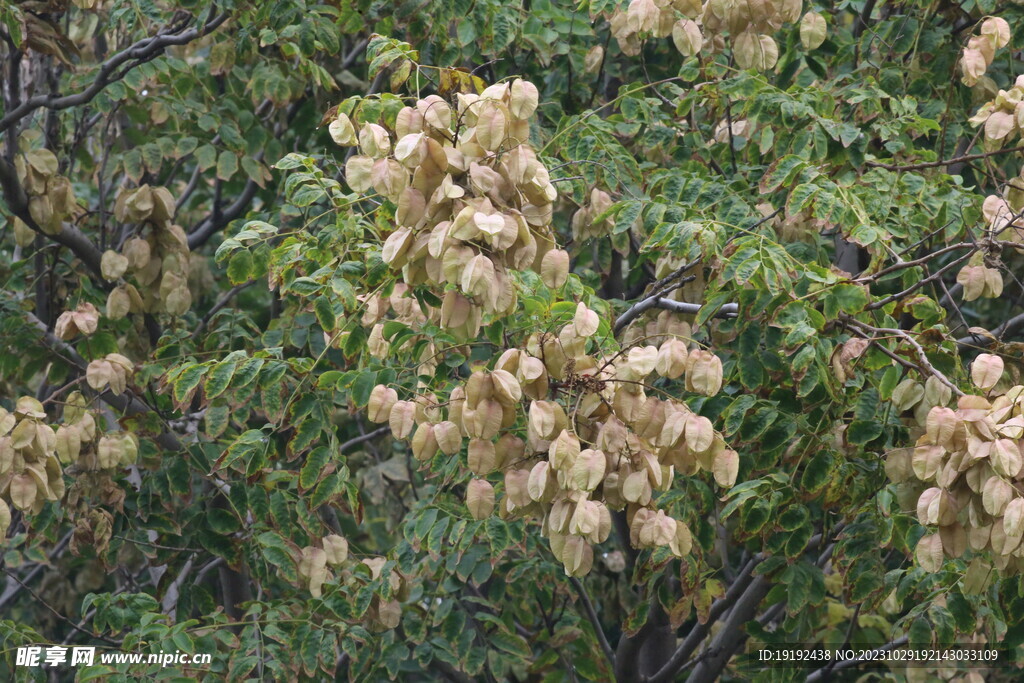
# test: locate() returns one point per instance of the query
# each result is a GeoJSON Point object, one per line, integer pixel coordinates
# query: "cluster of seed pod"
{"type": "Point", "coordinates": [919, 397]}
{"type": "Point", "coordinates": [30, 473]}
{"type": "Point", "coordinates": [77, 443]}
{"type": "Point", "coordinates": [585, 225]}
{"type": "Point", "coordinates": [980, 51]}
{"type": "Point", "coordinates": [473, 200]}
{"type": "Point", "coordinates": [313, 562]}
{"type": "Point", "coordinates": [32, 452]}
{"type": "Point", "coordinates": [970, 463]}
{"type": "Point", "coordinates": [314, 567]}
{"type": "Point", "coordinates": [158, 261]}
{"type": "Point", "coordinates": [50, 196]}
{"type": "Point", "coordinates": [112, 371]}
{"type": "Point", "coordinates": [568, 426]}
{"type": "Point", "coordinates": [1002, 216]}
{"type": "Point", "coordinates": [979, 280]}
{"type": "Point", "coordinates": [657, 329]}
{"type": "Point", "coordinates": [594, 440]}
{"type": "Point", "coordinates": [1000, 117]}
{"type": "Point", "coordinates": [83, 320]}
{"type": "Point", "coordinates": [981, 277]}
{"type": "Point", "coordinates": [693, 25]}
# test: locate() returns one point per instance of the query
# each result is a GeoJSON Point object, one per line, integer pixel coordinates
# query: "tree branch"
{"type": "Point", "coordinates": [1008, 326]}
{"type": "Point", "coordinates": [69, 622]}
{"type": "Point", "coordinates": [15, 586]}
{"type": "Point", "coordinates": [700, 631]}
{"type": "Point", "coordinates": [368, 436]}
{"type": "Point", "coordinates": [922, 357]}
{"type": "Point", "coordinates": [69, 236]}
{"type": "Point", "coordinates": [125, 403]}
{"type": "Point", "coordinates": [732, 634]}
{"type": "Point", "coordinates": [216, 221]}
{"type": "Point", "coordinates": [142, 51]}
{"type": "Point", "coordinates": [656, 301]}
{"type": "Point", "coordinates": [221, 303]}
{"type": "Point", "coordinates": [588, 607]}
{"type": "Point", "coordinates": [947, 162]}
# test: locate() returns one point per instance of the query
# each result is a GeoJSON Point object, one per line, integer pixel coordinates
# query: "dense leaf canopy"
{"type": "Point", "coordinates": [487, 341]}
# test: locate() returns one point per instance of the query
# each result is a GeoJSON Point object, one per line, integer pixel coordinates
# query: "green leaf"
{"type": "Point", "coordinates": [227, 165]}
{"type": "Point", "coordinates": [206, 157]}
{"type": "Point", "coordinates": [240, 267]}
{"type": "Point", "coordinates": [781, 172]}
{"type": "Point", "coordinates": [222, 521]}
{"type": "Point", "coordinates": [920, 633]}
{"type": "Point", "coordinates": [324, 313]}
{"type": "Point", "coordinates": [816, 474]}
{"type": "Point", "coordinates": [315, 463]}
{"type": "Point", "coordinates": [627, 213]}
{"type": "Point", "coordinates": [326, 490]}
{"type": "Point", "coordinates": [963, 613]}
{"type": "Point", "coordinates": [219, 378]}
{"type": "Point", "coordinates": [187, 382]}
{"type": "Point", "coordinates": [851, 298]}
{"type": "Point", "coordinates": [513, 644]}
{"type": "Point", "coordinates": [794, 517]}
{"type": "Point", "coordinates": [861, 432]}
{"type": "Point", "coordinates": [362, 387]}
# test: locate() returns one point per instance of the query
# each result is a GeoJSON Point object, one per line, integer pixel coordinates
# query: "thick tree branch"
{"type": "Point", "coordinates": [368, 436]}
{"type": "Point", "coordinates": [657, 301]}
{"type": "Point", "coordinates": [1009, 326]}
{"type": "Point", "coordinates": [221, 303]}
{"type": "Point", "coordinates": [732, 635]}
{"type": "Point", "coordinates": [700, 631]}
{"type": "Point", "coordinates": [69, 236]}
{"type": "Point", "coordinates": [216, 221]}
{"type": "Point", "coordinates": [140, 52]}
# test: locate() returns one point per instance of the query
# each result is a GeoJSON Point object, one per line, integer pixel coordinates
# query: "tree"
{"type": "Point", "coordinates": [469, 341]}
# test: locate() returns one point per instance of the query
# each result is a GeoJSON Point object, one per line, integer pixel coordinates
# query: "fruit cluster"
{"type": "Point", "coordinates": [561, 423]}
{"type": "Point", "coordinates": [694, 25]}
{"type": "Point", "coordinates": [971, 460]}
{"type": "Point", "coordinates": [159, 261]}
{"type": "Point", "coordinates": [30, 473]}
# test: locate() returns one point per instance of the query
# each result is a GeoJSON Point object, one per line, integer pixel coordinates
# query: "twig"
{"type": "Point", "coordinates": [369, 436]}
{"type": "Point", "coordinates": [57, 614]}
{"type": "Point", "coordinates": [224, 300]}
{"type": "Point", "coordinates": [917, 285]}
{"type": "Point", "coordinates": [12, 591]}
{"type": "Point", "coordinates": [588, 607]}
{"type": "Point", "coordinates": [1007, 327]}
{"type": "Point", "coordinates": [922, 357]}
{"type": "Point", "coordinates": [916, 262]}
{"type": "Point", "coordinates": [946, 162]}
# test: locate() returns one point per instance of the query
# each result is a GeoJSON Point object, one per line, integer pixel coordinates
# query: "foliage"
{"type": "Point", "coordinates": [691, 328]}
